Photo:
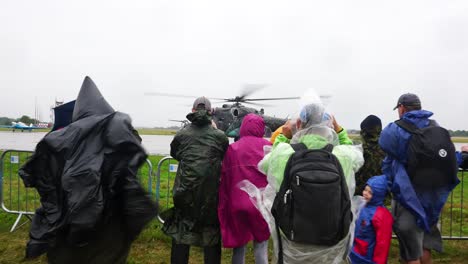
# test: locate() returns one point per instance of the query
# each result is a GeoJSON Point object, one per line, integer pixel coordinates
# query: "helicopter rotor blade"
{"type": "Point", "coordinates": [250, 88]}
{"type": "Point", "coordinates": [219, 102]}
{"type": "Point", "coordinates": [168, 95]}
{"type": "Point", "coordinates": [178, 95]}
{"type": "Point", "coordinates": [271, 99]}
{"type": "Point", "coordinates": [257, 104]}
{"type": "Point", "coordinates": [284, 98]}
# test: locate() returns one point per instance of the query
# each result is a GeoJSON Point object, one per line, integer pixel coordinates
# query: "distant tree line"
{"type": "Point", "coordinates": [458, 133]}
{"type": "Point", "coordinates": [6, 121]}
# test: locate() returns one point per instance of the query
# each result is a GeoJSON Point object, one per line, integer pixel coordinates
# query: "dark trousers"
{"type": "Point", "coordinates": [180, 254]}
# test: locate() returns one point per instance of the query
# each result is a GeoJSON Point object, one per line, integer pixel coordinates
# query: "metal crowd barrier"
{"type": "Point", "coordinates": [145, 177]}
{"type": "Point", "coordinates": [453, 225]}
{"type": "Point", "coordinates": [22, 201]}
{"type": "Point", "coordinates": [165, 175]}
{"type": "Point", "coordinates": [14, 197]}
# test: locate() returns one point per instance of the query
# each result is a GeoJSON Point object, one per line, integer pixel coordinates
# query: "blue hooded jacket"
{"type": "Point", "coordinates": [425, 205]}
{"type": "Point", "coordinates": [373, 232]}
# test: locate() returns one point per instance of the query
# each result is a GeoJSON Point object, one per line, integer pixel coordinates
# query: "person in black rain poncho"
{"type": "Point", "coordinates": [92, 205]}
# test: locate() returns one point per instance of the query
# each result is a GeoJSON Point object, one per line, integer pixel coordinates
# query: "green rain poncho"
{"type": "Point", "coordinates": [273, 165]}
{"type": "Point", "coordinates": [314, 137]}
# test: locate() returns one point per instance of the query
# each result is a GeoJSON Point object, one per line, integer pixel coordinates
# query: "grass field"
{"type": "Point", "coordinates": [160, 131]}
{"type": "Point", "coordinates": [154, 131]}
{"type": "Point", "coordinates": [460, 139]}
{"type": "Point", "coordinates": [152, 246]}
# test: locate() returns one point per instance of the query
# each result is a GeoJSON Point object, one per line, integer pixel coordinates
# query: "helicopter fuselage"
{"type": "Point", "coordinates": [228, 118]}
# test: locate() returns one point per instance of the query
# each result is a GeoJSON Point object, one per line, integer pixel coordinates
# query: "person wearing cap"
{"type": "Point", "coordinates": [315, 134]}
{"type": "Point", "coordinates": [416, 210]}
{"type": "Point", "coordinates": [193, 221]}
{"type": "Point", "coordinates": [371, 127]}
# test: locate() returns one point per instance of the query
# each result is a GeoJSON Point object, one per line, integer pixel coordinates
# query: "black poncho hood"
{"type": "Point", "coordinates": [90, 102]}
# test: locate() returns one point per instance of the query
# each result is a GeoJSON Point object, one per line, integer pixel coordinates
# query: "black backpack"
{"type": "Point", "coordinates": [313, 204]}
{"type": "Point", "coordinates": [431, 155]}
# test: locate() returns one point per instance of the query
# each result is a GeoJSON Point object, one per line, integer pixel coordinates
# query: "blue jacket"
{"type": "Point", "coordinates": [425, 205]}
{"type": "Point", "coordinates": [373, 232]}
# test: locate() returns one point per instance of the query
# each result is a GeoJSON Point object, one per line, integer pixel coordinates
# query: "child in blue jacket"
{"type": "Point", "coordinates": [373, 231]}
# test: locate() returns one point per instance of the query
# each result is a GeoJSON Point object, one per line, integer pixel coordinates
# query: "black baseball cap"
{"type": "Point", "coordinates": [202, 103]}
{"type": "Point", "coordinates": [408, 99]}
{"type": "Point", "coordinates": [371, 122]}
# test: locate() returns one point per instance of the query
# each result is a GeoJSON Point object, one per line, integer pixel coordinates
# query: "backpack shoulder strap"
{"type": "Point", "coordinates": [298, 146]}
{"type": "Point", "coordinates": [410, 127]}
{"type": "Point", "coordinates": [433, 123]}
{"type": "Point", "coordinates": [280, 243]}
{"type": "Point", "coordinates": [328, 148]}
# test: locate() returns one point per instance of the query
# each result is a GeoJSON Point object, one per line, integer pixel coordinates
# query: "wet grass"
{"type": "Point", "coordinates": [460, 139]}
{"type": "Point", "coordinates": [152, 246]}
{"type": "Point", "coordinates": [156, 131]}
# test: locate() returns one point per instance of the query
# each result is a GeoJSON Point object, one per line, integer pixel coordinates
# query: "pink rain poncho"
{"type": "Point", "coordinates": [240, 220]}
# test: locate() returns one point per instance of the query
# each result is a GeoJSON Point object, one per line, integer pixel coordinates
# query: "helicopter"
{"type": "Point", "coordinates": [229, 116]}
{"type": "Point", "coordinates": [183, 123]}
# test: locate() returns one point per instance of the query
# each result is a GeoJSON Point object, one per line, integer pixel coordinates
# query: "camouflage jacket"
{"type": "Point", "coordinates": [373, 156]}
{"type": "Point", "coordinates": [199, 148]}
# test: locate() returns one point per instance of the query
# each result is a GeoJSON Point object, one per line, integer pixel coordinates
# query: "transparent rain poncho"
{"type": "Point", "coordinates": [315, 135]}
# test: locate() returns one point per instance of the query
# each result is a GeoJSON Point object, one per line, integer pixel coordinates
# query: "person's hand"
{"type": "Point", "coordinates": [336, 126]}
{"type": "Point", "coordinates": [287, 129]}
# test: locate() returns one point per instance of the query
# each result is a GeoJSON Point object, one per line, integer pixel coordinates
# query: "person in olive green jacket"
{"type": "Point", "coordinates": [371, 127]}
{"type": "Point", "coordinates": [193, 221]}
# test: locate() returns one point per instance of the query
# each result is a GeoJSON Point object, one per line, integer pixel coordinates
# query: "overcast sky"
{"type": "Point", "coordinates": [363, 53]}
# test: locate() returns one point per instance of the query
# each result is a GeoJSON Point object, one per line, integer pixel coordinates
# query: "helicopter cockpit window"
{"type": "Point", "coordinates": [235, 112]}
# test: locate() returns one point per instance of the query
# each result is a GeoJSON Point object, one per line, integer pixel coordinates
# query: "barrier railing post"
{"type": "Point", "coordinates": [461, 205]}
{"type": "Point", "coordinates": [150, 175]}
{"type": "Point", "coordinates": [158, 182]}
{"type": "Point", "coordinates": [448, 218]}
{"type": "Point", "coordinates": [21, 208]}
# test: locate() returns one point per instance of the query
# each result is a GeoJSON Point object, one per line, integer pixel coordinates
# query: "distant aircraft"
{"type": "Point", "coordinates": [21, 126]}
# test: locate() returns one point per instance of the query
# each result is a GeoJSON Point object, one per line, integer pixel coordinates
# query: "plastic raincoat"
{"type": "Point", "coordinates": [92, 205]}
{"type": "Point", "coordinates": [273, 165]}
{"type": "Point", "coordinates": [240, 221]}
{"type": "Point", "coordinates": [314, 137]}
{"type": "Point", "coordinates": [199, 148]}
